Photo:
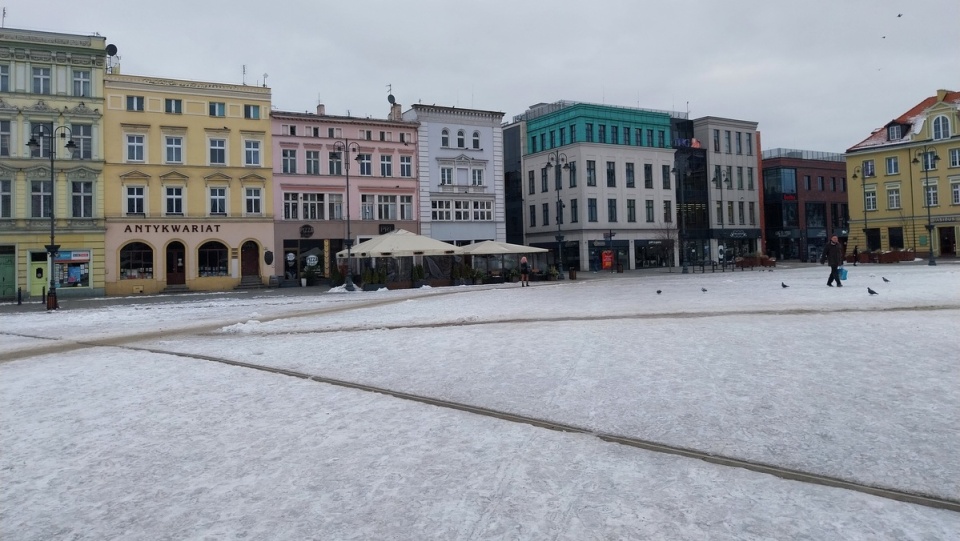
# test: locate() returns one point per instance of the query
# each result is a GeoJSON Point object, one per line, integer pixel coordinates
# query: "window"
{"type": "Point", "coordinates": [218, 201]}
{"type": "Point", "coordinates": [750, 178]}
{"type": "Point", "coordinates": [476, 140]}
{"type": "Point", "coordinates": [531, 183]}
{"type": "Point", "coordinates": [134, 148]}
{"type": "Point", "coordinates": [591, 173]}
{"type": "Point", "coordinates": [335, 164]}
{"type": "Point", "coordinates": [366, 164]}
{"type": "Point", "coordinates": [648, 176]}
{"type": "Point", "coordinates": [665, 173]}
{"type": "Point", "coordinates": [461, 210]}
{"type": "Point", "coordinates": [726, 141]}
{"type": "Point", "coordinates": [941, 128]}
{"type": "Point", "coordinates": [868, 170]}
{"type": "Point", "coordinates": [313, 206]}
{"type": "Point", "coordinates": [173, 106]}
{"type": "Point", "coordinates": [893, 165]}
{"type": "Point", "coordinates": [954, 190]}
{"type": "Point", "coordinates": [611, 175]}
{"type": "Point", "coordinates": [563, 136]}
{"type": "Point", "coordinates": [406, 166]}
{"type": "Point", "coordinates": [870, 199]}
{"type": "Point", "coordinates": [553, 138]}
{"type": "Point", "coordinates": [134, 103]}
{"type": "Point", "coordinates": [638, 137]}
{"type": "Point", "coordinates": [4, 78]}
{"type": "Point", "coordinates": [335, 207]}
{"type": "Point", "coordinates": [574, 212]}
{"type": "Point", "coordinates": [667, 212]}
{"type": "Point", "coordinates": [483, 211]}
{"type": "Point", "coordinates": [716, 141]}
{"type": "Point", "coordinates": [739, 145]}
{"type": "Point", "coordinates": [212, 259]}
{"type": "Point", "coordinates": [366, 135]}
{"type": "Point", "coordinates": [312, 161]}
{"type": "Point", "coordinates": [543, 179]}
{"type": "Point", "coordinates": [174, 200]}
{"type": "Point", "coordinates": [288, 161]}
{"type": "Point", "coordinates": [334, 133]}
{"type": "Point", "coordinates": [573, 174]}
{"type": "Point", "coordinates": [4, 137]}
{"type": "Point", "coordinates": [82, 135]}
{"type": "Point", "coordinates": [386, 166]}
{"type": "Point", "coordinates": [41, 194]}
{"type": "Point", "coordinates": [386, 207]}
{"type": "Point", "coordinates": [896, 237]}
{"type": "Point", "coordinates": [477, 177]}
{"type": "Point", "coordinates": [218, 151]}
{"type": "Point", "coordinates": [631, 210]}
{"type": "Point", "coordinates": [533, 144]}
{"type": "Point", "coordinates": [602, 133]}
{"type": "Point", "coordinates": [135, 200]}
{"type": "Point", "coordinates": [931, 196]}
{"type": "Point", "coordinates": [589, 131]}
{"type": "Point", "coordinates": [614, 135]}
{"type": "Point", "coordinates": [253, 201]}
{"type": "Point", "coordinates": [819, 184]}
{"type": "Point", "coordinates": [546, 213]}
{"type": "Point", "coordinates": [533, 216]}
{"type": "Point", "coordinates": [218, 108]}
{"type": "Point", "coordinates": [739, 178]}
{"type": "Point", "coordinates": [6, 198]}
{"type": "Point", "coordinates": [251, 112]}
{"type": "Point", "coordinates": [929, 161]}
{"type": "Point", "coordinates": [752, 206]}
{"type": "Point", "coordinates": [251, 154]}
{"type": "Point", "coordinates": [649, 210]}
{"type": "Point", "coordinates": [41, 80]}
{"type": "Point", "coordinates": [291, 206]}
{"type": "Point", "coordinates": [445, 138]}
{"type": "Point", "coordinates": [730, 216]}
{"type": "Point", "coordinates": [406, 207]}
{"type": "Point", "coordinates": [591, 209]}
{"type": "Point", "coordinates": [893, 133]}
{"type": "Point", "coordinates": [719, 207]}
{"type": "Point", "coordinates": [136, 261]}
{"type": "Point", "coordinates": [573, 133]}
{"type": "Point", "coordinates": [893, 198]}
{"type": "Point", "coordinates": [954, 154]}
{"type": "Point", "coordinates": [173, 149]}
{"type": "Point", "coordinates": [81, 83]}
{"type": "Point", "coordinates": [749, 145]}
{"type": "Point", "coordinates": [626, 135]}
{"type": "Point", "coordinates": [43, 151]}
{"type": "Point", "coordinates": [446, 176]}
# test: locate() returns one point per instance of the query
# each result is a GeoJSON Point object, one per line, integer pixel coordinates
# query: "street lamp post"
{"type": "Point", "coordinates": [344, 148]}
{"type": "Point", "coordinates": [561, 159]}
{"type": "Point", "coordinates": [929, 162]}
{"type": "Point", "coordinates": [683, 221]}
{"type": "Point", "coordinates": [720, 251]}
{"type": "Point", "coordinates": [858, 171]}
{"type": "Point", "coordinates": [50, 134]}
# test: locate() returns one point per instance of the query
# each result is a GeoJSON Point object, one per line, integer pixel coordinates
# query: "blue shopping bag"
{"type": "Point", "coordinates": [843, 273]}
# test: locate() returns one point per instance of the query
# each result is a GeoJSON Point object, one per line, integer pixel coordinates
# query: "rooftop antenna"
{"type": "Point", "coordinates": [244, 78]}
{"type": "Point", "coordinates": [3, 22]}
{"type": "Point", "coordinates": [111, 51]}
{"type": "Point", "coordinates": [265, 80]}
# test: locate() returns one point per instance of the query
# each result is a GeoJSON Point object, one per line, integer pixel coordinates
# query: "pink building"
{"type": "Point", "coordinates": [338, 178]}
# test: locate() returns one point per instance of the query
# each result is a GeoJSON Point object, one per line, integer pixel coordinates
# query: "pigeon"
{"type": "Point", "coordinates": [783, 285]}
{"type": "Point", "coordinates": [659, 292]}
{"type": "Point", "coordinates": [872, 292]}
{"type": "Point", "coordinates": [884, 278]}
{"type": "Point", "coordinates": [703, 289]}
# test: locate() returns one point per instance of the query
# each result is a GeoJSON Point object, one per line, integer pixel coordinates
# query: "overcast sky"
{"type": "Point", "coordinates": [816, 75]}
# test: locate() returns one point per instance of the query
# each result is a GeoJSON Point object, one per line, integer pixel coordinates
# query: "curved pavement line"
{"type": "Point", "coordinates": [760, 467]}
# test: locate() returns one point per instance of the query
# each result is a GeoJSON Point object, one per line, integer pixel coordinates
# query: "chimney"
{"type": "Point", "coordinates": [321, 110]}
{"type": "Point", "coordinates": [941, 95]}
{"type": "Point", "coordinates": [395, 113]}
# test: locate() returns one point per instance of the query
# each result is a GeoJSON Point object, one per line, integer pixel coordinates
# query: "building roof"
{"type": "Point", "coordinates": [911, 122]}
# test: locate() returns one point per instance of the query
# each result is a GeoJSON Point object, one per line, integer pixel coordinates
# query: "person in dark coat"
{"type": "Point", "coordinates": [833, 255]}
{"type": "Point", "coordinates": [524, 272]}
{"type": "Point", "coordinates": [856, 255]}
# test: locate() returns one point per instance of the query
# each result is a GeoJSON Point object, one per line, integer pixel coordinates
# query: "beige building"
{"type": "Point", "coordinates": [51, 88]}
{"type": "Point", "coordinates": [188, 203]}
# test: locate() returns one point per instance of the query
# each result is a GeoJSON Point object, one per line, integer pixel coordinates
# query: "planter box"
{"type": "Point", "coordinates": [889, 257]}
{"type": "Point", "coordinates": [907, 255]}
{"type": "Point", "coordinates": [373, 287]}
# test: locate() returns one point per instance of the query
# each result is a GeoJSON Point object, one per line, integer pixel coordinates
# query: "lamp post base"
{"type": "Point", "coordinates": [52, 303]}
{"type": "Point", "coordinates": [932, 262]}
{"type": "Point", "coordinates": [348, 283]}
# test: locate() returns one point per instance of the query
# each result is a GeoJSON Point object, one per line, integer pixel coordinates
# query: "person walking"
{"type": "Point", "coordinates": [833, 255]}
{"type": "Point", "coordinates": [524, 272]}
{"type": "Point", "coordinates": [856, 254]}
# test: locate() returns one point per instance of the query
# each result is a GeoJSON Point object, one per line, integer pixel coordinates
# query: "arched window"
{"type": "Point", "coordinates": [445, 138]}
{"type": "Point", "coordinates": [136, 261]}
{"type": "Point", "coordinates": [461, 139]}
{"type": "Point", "coordinates": [476, 140]}
{"type": "Point", "coordinates": [212, 259]}
{"type": "Point", "coordinates": [941, 128]}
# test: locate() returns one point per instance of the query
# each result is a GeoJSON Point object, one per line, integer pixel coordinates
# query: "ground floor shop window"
{"type": "Point", "coordinates": [212, 259]}
{"type": "Point", "coordinates": [136, 261]}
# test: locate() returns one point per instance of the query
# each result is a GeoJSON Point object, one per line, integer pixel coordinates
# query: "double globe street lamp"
{"type": "Point", "coordinates": [343, 149]}
{"type": "Point", "coordinates": [561, 160]}
{"type": "Point", "coordinates": [46, 132]}
{"type": "Point", "coordinates": [928, 157]}
{"type": "Point", "coordinates": [683, 233]}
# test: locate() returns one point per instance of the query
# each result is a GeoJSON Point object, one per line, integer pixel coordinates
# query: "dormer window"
{"type": "Point", "coordinates": [894, 133]}
{"type": "Point", "coordinates": [941, 128]}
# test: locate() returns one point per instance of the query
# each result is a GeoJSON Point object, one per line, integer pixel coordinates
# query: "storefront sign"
{"type": "Point", "coordinates": [306, 231]}
{"type": "Point", "coordinates": [943, 219]}
{"type": "Point", "coordinates": [607, 258]}
{"type": "Point", "coordinates": [75, 255]}
{"type": "Point", "coordinates": [173, 228]}
{"type": "Point", "coordinates": [386, 228]}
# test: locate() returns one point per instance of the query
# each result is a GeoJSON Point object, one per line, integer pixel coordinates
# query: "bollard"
{"type": "Point", "coordinates": [19, 296]}
{"type": "Point", "coordinates": [43, 295]}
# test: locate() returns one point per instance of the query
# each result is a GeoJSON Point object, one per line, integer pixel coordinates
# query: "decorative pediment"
{"type": "Point", "coordinates": [40, 106]}
{"type": "Point", "coordinates": [174, 176]}
{"type": "Point", "coordinates": [37, 172]}
{"type": "Point", "coordinates": [83, 173]}
{"type": "Point", "coordinates": [82, 110]}
{"type": "Point", "coordinates": [253, 178]}
{"type": "Point", "coordinates": [461, 159]}
{"type": "Point", "coordinates": [4, 106]}
{"type": "Point", "coordinates": [215, 178]}
{"type": "Point", "coordinates": [134, 174]}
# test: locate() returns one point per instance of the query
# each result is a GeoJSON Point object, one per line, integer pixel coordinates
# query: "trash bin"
{"type": "Point", "coordinates": [573, 273]}
{"type": "Point", "coordinates": [620, 267]}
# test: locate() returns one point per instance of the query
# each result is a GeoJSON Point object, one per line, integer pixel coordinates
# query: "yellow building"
{"type": "Point", "coordinates": [905, 182]}
{"type": "Point", "coordinates": [51, 92]}
{"type": "Point", "coordinates": [188, 203]}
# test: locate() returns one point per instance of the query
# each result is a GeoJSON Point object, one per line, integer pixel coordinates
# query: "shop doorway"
{"type": "Point", "coordinates": [8, 274]}
{"type": "Point", "coordinates": [176, 273]}
{"type": "Point", "coordinates": [249, 259]}
{"type": "Point", "coordinates": [948, 241]}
